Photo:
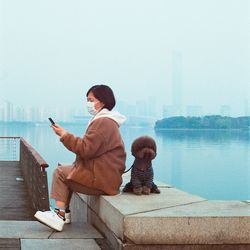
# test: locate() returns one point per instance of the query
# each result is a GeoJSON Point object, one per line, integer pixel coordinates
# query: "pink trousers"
{"type": "Point", "coordinates": [62, 191]}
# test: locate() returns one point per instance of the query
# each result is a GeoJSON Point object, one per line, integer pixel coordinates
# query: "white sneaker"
{"type": "Point", "coordinates": [51, 219]}
{"type": "Point", "coordinates": [67, 217]}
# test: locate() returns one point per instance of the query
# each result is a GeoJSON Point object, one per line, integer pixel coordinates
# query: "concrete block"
{"type": "Point", "coordinates": [95, 220]}
{"type": "Point", "coordinates": [78, 209]}
{"type": "Point", "coordinates": [59, 244]}
{"type": "Point", "coordinates": [113, 241]}
{"type": "Point", "coordinates": [107, 213]}
{"type": "Point", "coordinates": [113, 209]}
{"type": "Point", "coordinates": [77, 230]}
{"type": "Point", "coordinates": [207, 222]}
{"type": "Point", "coordinates": [24, 229]}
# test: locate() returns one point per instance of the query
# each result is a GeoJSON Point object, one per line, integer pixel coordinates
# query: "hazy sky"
{"type": "Point", "coordinates": [52, 51]}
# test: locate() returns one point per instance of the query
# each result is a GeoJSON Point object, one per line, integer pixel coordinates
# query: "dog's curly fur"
{"type": "Point", "coordinates": [144, 150]}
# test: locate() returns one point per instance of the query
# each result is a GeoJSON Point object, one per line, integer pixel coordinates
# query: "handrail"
{"type": "Point", "coordinates": [35, 176]}
{"type": "Point", "coordinates": [10, 137]}
{"type": "Point", "coordinates": [40, 161]}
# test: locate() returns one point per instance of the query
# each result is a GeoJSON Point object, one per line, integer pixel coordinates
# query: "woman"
{"type": "Point", "coordinates": [100, 158]}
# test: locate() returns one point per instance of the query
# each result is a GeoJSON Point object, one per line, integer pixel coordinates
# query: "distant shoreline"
{"type": "Point", "coordinates": [210, 122]}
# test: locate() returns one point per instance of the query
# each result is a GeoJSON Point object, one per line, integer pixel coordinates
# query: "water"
{"type": "Point", "coordinates": [212, 164]}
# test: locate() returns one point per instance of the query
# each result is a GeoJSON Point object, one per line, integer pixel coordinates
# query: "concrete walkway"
{"type": "Point", "coordinates": [27, 235]}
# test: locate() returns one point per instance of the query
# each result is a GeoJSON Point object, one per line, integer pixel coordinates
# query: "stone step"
{"type": "Point", "coordinates": [60, 244]}
{"type": "Point", "coordinates": [34, 229]}
{"type": "Point", "coordinates": [34, 235]}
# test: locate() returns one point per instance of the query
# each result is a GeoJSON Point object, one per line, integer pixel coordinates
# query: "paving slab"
{"type": "Point", "coordinates": [59, 244]}
{"type": "Point", "coordinates": [24, 229]}
{"type": "Point", "coordinates": [77, 231]}
{"type": "Point", "coordinates": [208, 208]}
{"type": "Point", "coordinates": [128, 203]}
{"type": "Point", "coordinates": [113, 209]}
{"type": "Point", "coordinates": [207, 222]}
{"type": "Point", "coordinates": [10, 244]}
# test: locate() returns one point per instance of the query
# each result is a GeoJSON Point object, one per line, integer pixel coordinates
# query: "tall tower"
{"type": "Point", "coordinates": [8, 111]}
{"type": "Point", "coordinates": [177, 82]}
{"type": "Point", "coordinates": [246, 107]}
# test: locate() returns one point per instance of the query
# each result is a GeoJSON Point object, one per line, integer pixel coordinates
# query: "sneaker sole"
{"type": "Point", "coordinates": [48, 222]}
{"type": "Point", "coordinates": [67, 221]}
{"type": "Point", "coordinates": [67, 218]}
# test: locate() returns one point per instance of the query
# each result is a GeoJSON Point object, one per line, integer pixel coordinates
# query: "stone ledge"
{"type": "Point", "coordinates": [172, 217]}
{"type": "Point", "coordinates": [187, 247]}
{"type": "Point", "coordinates": [208, 222]}
{"type": "Point", "coordinates": [113, 210]}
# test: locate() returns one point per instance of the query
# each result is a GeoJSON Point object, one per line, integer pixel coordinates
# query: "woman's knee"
{"type": "Point", "coordinates": [57, 171]}
{"type": "Point", "coordinates": [60, 173]}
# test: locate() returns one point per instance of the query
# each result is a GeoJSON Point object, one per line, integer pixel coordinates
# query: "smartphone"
{"type": "Point", "coordinates": [51, 120]}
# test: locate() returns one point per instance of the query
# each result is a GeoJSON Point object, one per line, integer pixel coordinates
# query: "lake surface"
{"type": "Point", "coordinates": [211, 163]}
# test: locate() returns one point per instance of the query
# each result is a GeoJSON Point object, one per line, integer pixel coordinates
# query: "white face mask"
{"type": "Point", "coordinates": [91, 108]}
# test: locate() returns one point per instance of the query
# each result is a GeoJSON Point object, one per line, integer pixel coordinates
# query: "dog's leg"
{"type": "Point", "coordinates": [138, 190]}
{"type": "Point", "coordinates": [145, 190]}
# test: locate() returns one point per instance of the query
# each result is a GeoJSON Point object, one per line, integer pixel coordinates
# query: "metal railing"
{"type": "Point", "coordinates": [9, 148]}
{"type": "Point", "coordinates": [33, 168]}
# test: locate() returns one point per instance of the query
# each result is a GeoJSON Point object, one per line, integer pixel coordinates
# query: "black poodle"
{"type": "Point", "coordinates": [144, 151]}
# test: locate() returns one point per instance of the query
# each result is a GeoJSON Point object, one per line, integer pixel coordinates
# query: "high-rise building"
{"type": "Point", "coordinates": [247, 107]}
{"type": "Point", "coordinates": [152, 107]}
{"type": "Point", "coordinates": [225, 110]}
{"type": "Point", "coordinates": [194, 110]}
{"type": "Point", "coordinates": [170, 111]}
{"type": "Point", "coordinates": [2, 111]}
{"type": "Point", "coordinates": [9, 113]}
{"type": "Point", "coordinates": [177, 81]}
{"type": "Point", "coordinates": [19, 114]}
{"type": "Point", "coordinates": [141, 108]}
{"type": "Point", "coordinates": [2, 114]}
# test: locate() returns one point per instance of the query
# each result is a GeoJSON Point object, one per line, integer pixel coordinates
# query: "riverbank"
{"type": "Point", "coordinates": [204, 122]}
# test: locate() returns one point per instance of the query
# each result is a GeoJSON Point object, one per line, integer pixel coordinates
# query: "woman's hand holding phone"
{"type": "Point", "coordinates": [51, 121]}
{"type": "Point", "coordinates": [57, 129]}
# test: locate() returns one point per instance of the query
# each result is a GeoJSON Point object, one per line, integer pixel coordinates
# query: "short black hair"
{"type": "Point", "coordinates": [104, 94]}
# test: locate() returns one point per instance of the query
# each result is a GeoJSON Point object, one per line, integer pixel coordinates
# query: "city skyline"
{"type": "Point", "coordinates": [189, 59]}
{"type": "Point", "coordinates": [140, 109]}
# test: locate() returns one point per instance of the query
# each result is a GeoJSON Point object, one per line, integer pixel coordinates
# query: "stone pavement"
{"type": "Point", "coordinates": [27, 235]}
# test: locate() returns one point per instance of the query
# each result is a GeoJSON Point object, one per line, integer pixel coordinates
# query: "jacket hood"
{"type": "Point", "coordinates": [114, 115]}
